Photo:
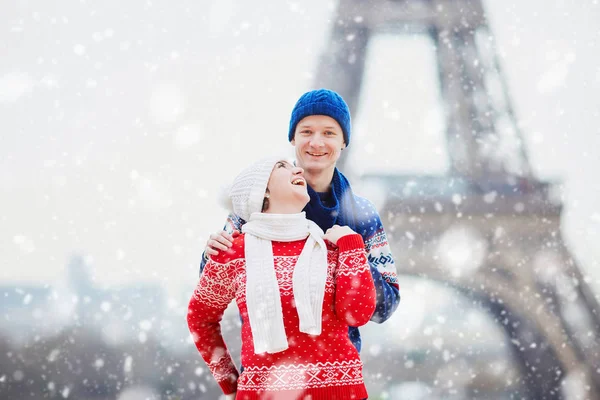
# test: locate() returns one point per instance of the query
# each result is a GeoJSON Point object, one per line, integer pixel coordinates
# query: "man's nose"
{"type": "Point", "coordinates": [316, 140]}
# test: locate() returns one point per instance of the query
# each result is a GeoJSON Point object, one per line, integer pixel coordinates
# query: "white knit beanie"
{"type": "Point", "coordinates": [247, 192]}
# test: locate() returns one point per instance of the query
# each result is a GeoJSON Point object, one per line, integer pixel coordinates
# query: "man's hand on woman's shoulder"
{"type": "Point", "coordinates": [220, 241]}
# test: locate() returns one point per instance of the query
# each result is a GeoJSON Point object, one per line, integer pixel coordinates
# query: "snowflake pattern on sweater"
{"type": "Point", "coordinates": [326, 366]}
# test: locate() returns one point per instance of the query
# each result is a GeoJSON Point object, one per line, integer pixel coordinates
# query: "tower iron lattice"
{"type": "Point", "coordinates": [490, 199]}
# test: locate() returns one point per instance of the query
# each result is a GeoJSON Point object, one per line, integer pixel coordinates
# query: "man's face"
{"type": "Point", "coordinates": [319, 141]}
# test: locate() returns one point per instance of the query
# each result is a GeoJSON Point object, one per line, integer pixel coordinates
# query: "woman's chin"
{"type": "Point", "coordinates": [306, 198]}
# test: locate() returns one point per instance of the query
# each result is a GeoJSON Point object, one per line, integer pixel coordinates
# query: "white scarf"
{"type": "Point", "coordinates": [262, 289]}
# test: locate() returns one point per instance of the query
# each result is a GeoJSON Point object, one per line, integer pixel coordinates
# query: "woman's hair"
{"type": "Point", "coordinates": [265, 204]}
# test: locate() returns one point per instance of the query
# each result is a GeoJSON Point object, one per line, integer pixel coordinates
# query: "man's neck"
{"type": "Point", "coordinates": [320, 182]}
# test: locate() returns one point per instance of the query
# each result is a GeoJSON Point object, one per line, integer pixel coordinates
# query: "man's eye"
{"type": "Point", "coordinates": [329, 133]}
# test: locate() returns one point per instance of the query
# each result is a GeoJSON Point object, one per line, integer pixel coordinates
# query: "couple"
{"type": "Point", "coordinates": [301, 293]}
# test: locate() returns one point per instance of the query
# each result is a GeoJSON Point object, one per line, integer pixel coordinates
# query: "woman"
{"type": "Point", "coordinates": [319, 129]}
{"type": "Point", "coordinates": [296, 293]}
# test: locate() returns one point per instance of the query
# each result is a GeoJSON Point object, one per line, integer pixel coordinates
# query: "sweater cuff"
{"type": "Point", "coordinates": [350, 242]}
{"type": "Point", "coordinates": [229, 385]}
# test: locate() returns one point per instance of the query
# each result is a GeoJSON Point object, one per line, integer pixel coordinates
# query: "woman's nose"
{"type": "Point", "coordinates": [298, 171]}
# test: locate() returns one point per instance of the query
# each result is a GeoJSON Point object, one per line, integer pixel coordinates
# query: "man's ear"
{"type": "Point", "coordinates": [293, 142]}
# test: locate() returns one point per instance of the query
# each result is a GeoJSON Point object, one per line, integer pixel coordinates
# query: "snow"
{"type": "Point", "coordinates": [79, 49]}
{"type": "Point", "coordinates": [187, 136]}
{"type": "Point", "coordinates": [24, 243]}
{"type": "Point", "coordinates": [128, 364]}
{"type": "Point", "coordinates": [14, 86]}
{"type": "Point", "coordinates": [118, 130]}
{"type": "Point", "coordinates": [18, 375]}
{"type": "Point", "coordinates": [167, 103]}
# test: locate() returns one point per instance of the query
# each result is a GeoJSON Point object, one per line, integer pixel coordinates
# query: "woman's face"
{"type": "Point", "coordinates": [319, 141]}
{"type": "Point", "coordinates": [287, 189]}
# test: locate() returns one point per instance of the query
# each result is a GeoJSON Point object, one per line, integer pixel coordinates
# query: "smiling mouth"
{"type": "Point", "coordinates": [298, 182]}
{"type": "Point", "coordinates": [316, 154]}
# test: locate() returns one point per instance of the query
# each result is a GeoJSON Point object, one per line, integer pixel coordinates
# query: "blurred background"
{"type": "Point", "coordinates": [120, 122]}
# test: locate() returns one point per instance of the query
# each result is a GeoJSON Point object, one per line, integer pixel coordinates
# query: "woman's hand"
{"type": "Point", "coordinates": [336, 232]}
{"type": "Point", "coordinates": [219, 241]}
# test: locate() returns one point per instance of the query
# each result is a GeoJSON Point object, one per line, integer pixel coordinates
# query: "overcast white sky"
{"type": "Point", "coordinates": [119, 120]}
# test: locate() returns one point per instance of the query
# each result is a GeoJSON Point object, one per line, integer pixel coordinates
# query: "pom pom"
{"type": "Point", "coordinates": [224, 199]}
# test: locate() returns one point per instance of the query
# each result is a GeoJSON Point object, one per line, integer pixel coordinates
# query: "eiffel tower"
{"type": "Point", "coordinates": [489, 202]}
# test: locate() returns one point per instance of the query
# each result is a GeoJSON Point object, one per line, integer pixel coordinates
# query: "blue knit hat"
{"type": "Point", "coordinates": [322, 102]}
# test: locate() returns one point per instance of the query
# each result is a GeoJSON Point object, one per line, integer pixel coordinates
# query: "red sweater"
{"type": "Point", "coordinates": [327, 366]}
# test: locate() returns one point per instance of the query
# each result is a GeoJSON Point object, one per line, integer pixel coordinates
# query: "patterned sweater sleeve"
{"type": "Point", "coordinates": [383, 268]}
{"type": "Point", "coordinates": [211, 297]}
{"type": "Point", "coordinates": [233, 223]}
{"type": "Point", "coordinates": [355, 292]}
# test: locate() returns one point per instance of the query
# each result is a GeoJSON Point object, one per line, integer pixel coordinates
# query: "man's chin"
{"type": "Point", "coordinates": [315, 164]}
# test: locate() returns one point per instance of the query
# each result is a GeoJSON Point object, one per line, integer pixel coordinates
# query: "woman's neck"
{"type": "Point", "coordinates": [320, 181]}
